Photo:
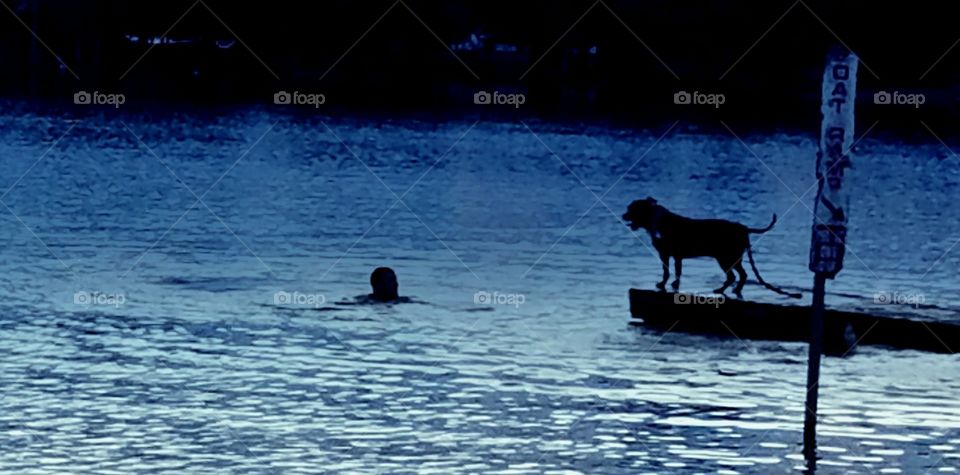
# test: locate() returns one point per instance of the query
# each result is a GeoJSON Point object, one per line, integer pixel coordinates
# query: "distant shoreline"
{"type": "Point", "coordinates": [908, 131]}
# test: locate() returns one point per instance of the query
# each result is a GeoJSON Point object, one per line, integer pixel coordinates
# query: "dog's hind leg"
{"type": "Point", "coordinates": [677, 270]}
{"type": "Point", "coordinates": [743, 279]}
{"type": "Point", "coordinates": [730, 278]}
{"type": "Point", "coordinates": [665, 260]}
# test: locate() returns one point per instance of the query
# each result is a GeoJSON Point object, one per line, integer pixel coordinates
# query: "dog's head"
{"type": "Point", "coordinates": [640, 214]}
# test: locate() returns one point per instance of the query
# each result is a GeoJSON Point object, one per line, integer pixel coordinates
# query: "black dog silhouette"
{"type": "Point", "coordinates": [680, 238]}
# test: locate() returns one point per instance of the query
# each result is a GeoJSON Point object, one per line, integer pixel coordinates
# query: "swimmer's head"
{"type": "Point", "coordinates": [384, 283]}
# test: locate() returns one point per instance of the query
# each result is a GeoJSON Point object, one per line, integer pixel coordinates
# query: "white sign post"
{"type": "Point", "coordinates": [836, 138]}
{"type": "Point", "coordinates": [830, 218]}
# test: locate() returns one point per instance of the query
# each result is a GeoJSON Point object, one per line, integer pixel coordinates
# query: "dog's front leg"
{"type": "Point", "coordinates": [665, 260]}
{"type": "Point", "coordinates": [677, 269]}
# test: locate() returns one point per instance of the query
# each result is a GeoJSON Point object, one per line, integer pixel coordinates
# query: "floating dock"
{"type": "Point", "coordinates": [843, 330]}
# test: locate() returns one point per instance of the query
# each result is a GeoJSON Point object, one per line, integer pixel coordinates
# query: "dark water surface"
{"type": "Point", "coordinates": [216, 343]}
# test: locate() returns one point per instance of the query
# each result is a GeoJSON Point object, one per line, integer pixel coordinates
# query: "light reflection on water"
{"type": "Point", "coordinates": [200, 371]}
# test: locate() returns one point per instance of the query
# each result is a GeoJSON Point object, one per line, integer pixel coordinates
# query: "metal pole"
{"type": "Point", "coordinates": [813, 371]}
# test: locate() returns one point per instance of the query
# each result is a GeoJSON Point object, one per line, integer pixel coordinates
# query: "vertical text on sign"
{"type": "Point", "coordinates": [827, 247]}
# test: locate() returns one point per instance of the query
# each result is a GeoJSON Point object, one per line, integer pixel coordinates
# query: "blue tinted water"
{"type": "Point", "coordinates": [187, 360]}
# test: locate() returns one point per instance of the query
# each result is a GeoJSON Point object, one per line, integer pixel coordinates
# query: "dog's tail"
{"type": "Point", "coordinates": [763, 282]}
{"type": "Point", "coordinates": [761, 231]}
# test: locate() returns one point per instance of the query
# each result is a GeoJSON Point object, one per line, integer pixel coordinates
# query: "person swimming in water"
{"type": "Point", "coordinates": [384, 283]}
{"type": "Point", "coordinates": [383, 280]}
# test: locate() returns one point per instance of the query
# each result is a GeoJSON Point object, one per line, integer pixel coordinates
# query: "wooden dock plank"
{"type": "Point", "coordinates": [769, 321]}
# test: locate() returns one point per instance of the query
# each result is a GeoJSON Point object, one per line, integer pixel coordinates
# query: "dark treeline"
{"type": "Point", "coordinates": [597, 66]}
